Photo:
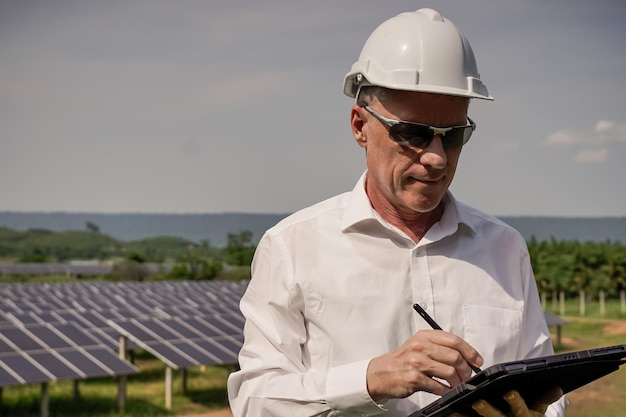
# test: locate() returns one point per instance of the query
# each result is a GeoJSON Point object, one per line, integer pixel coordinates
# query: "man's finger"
{"type": "Point", "coordinates": [458, 345]}
{"type": "Point", "coordinates": [517, 404]}
{"type": "Point", "coordinates": [485, 409]}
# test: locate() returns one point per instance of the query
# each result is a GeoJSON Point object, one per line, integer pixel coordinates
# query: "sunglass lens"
{"type": "Point", "coordinates": [454, 138]}
{"type": "Point", "coordinates": [417, 136]}
{"type": "Point", "coordinates": [411, 134]}
{"type": "Point", "coordinates": [457, 137]}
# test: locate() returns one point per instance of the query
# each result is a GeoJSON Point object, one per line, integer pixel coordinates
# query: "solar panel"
{"type": "Point", "coordinates": [75, 334]}
{"type": "Point", "coordinates": [92, 318]}
{"type": "Point", "coordinates": [25, 317]}
{"type": "Point", "coordinates": [160, 330]}
{"type": "Point", "coordinates": [201, 327]}
{"type": "Point", "coordinates": [28, 371]}
{"type": "Point", "coordinates": [54, 351]}
{"type": "Point", "coordinates": [108, 337]}
{"type": "Point", "coordinates": [88, 367]}
{"type": "Point", "coordinates": [7, 377]}
{"type": "Point", "coordinates": [195, 350]}
{"type": "Point", "coordinates": [179, 327]}
{"type": "Point", "coordinates": [131, 328]}
{"type": "Point", "coordinates": [73, 328]}
{"type": "Point", "coordinates": [57, 367]}
{"type": "Point", "coordinates": [48, 317]}
{"type": "Point", "coordinates": [17, 337]}
{"type": "Point", "coordinates": [4, 346]}
{"type": "Point", "coordinates": [223, 326]}
{"type": "Point", "coordinates": [220, 354]}
{"type": "Point", "coordinates": [49, 337]}
{"type": "Point", "coordinates": [169, 354]}
{"type": "Point", "coordinates": [110, 361]}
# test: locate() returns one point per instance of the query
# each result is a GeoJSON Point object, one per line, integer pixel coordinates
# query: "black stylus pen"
{"type": "Point", "coordinates": [432, 323]}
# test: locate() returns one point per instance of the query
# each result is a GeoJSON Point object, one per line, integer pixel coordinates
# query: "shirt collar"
{"type": "Point", "coordinates": [360, 216]}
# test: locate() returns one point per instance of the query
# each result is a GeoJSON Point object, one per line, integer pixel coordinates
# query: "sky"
{"type": "Point", "coordinates": [156, 106]}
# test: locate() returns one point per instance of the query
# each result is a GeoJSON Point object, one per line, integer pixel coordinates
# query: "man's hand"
{"type": "Point", "coordinates": [426, 355]}
{"type": "Point", "coordinates": [519, 408]}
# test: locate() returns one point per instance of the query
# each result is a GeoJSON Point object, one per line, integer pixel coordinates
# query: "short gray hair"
{"type": "Point", "coordinates": [367, 93]}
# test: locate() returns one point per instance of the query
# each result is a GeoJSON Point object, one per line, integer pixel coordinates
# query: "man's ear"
{"type": "Point", "coordinates": [357, 123]}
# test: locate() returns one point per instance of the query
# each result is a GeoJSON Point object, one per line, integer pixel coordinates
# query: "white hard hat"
{"type": "Point", "coordinates": [417, 51]}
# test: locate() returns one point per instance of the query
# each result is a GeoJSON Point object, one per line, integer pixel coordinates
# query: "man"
{"type": "Point", "coordinates": [330, 329]}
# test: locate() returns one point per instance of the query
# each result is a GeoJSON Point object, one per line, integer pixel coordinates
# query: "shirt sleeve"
{"type": "Point", "coordinates": [274, 379]}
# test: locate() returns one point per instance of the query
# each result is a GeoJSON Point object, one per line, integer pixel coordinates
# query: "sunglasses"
{"type": "Point", "coordinates": [418, 135]}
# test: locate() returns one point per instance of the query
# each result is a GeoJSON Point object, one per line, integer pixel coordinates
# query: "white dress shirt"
{"type": "Point", "coordinates": [333, 286]}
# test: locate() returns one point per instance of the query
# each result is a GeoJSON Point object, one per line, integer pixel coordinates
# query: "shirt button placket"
{"type": "Point", "coordinates": [421, 283]}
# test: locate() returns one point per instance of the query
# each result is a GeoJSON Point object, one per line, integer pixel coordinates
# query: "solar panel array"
{"type": "Point", "coordinates": [184, 323]}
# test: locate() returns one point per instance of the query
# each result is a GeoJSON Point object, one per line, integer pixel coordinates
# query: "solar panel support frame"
{"type": "Point", "coordinates": [122, 380]}
{"type": "Point", "coordinates": [169, 385]}
{"type": "Point", "coordinates": [44, 401]}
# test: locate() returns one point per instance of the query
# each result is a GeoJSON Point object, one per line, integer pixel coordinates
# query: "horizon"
{"type": "Point", "coordinates": [215, 227]}
{"type": "Point", "coordinates": [268, 214]}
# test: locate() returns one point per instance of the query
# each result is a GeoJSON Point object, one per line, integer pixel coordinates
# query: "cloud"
{"type": "Point", "coordinates": [592, 156]}
{"type": "Point", "coordinates": [592, 146]}
{"type": "Point", "coordinates": [604, 132]}
{"type": "Point", "coordinates": [604, 125]}
{"type": "Point", "coordinates": [564, 137]}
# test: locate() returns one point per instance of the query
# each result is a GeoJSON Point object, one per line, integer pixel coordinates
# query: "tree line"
{"type": "Point", "coordinates": [572, 266]}
{"type": "Point", "coordinates": [186, 259]}
{"type": "Point", "coordinates": [567, 267]}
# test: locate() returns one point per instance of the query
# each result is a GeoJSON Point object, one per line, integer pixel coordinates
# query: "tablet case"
{"type": "Point", "coordinates": [531, 377]}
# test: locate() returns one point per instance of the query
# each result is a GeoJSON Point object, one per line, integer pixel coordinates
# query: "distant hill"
{"type": "Point", "coordinates": [595, 229]}
{"type": "Point", "coordinates": [215, 227]}
{"type": "Point", "coordinates": [134, 226]}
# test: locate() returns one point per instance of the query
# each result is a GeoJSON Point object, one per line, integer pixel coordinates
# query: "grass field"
{"type": "Point", "coordinates": [206, 386]}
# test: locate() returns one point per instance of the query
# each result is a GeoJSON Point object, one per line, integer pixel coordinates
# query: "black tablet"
{"type": "Point", "coordinates": [531, 377]}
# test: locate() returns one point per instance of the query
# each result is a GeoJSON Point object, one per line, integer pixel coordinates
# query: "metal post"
{"type": "Point", "coordinates": [75, 390]}
{"type": "Point", "coordinates": [582, 302]}
{"type": "Point", "coordinates": [602, 303]}
{"type": "Point", "coordinates": [183, 377]}
{"type": "Point", "coordinates": [44, 402]}
{"type": "Point", "coordinates": [121, 382]}
{"type": "Point", "coordinates": [168, 387]}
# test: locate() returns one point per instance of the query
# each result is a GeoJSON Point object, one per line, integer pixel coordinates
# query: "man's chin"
{"type": "Point", "coordinates": [423, 206]}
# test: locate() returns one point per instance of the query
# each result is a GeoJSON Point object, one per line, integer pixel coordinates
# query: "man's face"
{"type": "Point", "coordinates": [407, 181]}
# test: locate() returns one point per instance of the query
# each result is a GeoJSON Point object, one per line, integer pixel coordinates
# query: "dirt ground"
{"type": "Point", "coordinates": [615, 327]}
{"type": "Point", "coordinates": [590, 393]}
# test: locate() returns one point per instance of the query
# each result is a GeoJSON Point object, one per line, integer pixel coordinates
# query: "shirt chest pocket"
{"type": "Point", "coordinates": [494, 331]}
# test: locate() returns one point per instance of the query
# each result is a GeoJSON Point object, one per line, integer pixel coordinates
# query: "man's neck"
{"type": "Point", "coordinates": [414, 224]}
